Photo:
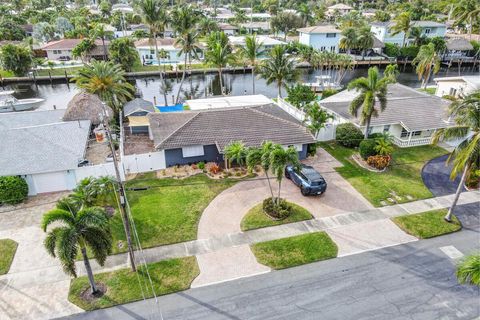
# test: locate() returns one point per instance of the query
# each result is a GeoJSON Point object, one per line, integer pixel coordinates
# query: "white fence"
{"type": "Point", "coordinates": [144, 162]}
{"type": "Point", "coordinates": [99, 170]}
{"type": "Point", "coordinates": [403, 143]}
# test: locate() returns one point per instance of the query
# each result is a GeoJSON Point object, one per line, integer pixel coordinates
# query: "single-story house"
{"type": "Point", "coordinates": [228, 29]}
{"type": "Point", "coordinates": [267, 43]}
{"type": "Point", "coordinates": [411, 116]}
{"type": "Point", "coordinates": [256, 26]}
{"type": "Point", "coordinates": [61, 50]}
{"type": "Point", "coordinates": [42, 148]}
{"type": "Point", "coordinates": [341, 8]}
{"type": "Point", "coordinates": [146, 51]}
{"type": "Point", "coordinates": [136, 111]}
{"type": "Point", "coordinates": [194, 136]}
{"type": "Point", "coordinates": [430, 29]}
{"type": "Point", "coordinates": [322, 37]}
{"type": "Point", "coordinates": [456, 86]}
{"type": "Point", "coordinates": [222, 102]}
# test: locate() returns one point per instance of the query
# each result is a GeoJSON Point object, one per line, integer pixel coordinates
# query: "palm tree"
{"type": "Point", "coordinates": [468, 270]}
{"type": "Point", "coordinates": [466, 113]}
{"type": "Point", "coordinates": [426, 62]}
{"type": "Point", "coordinates": [106, 80]}
{"type": "Point", "coordinates": [371, 89]}
{"type": "Point", "coordinates": [467, 11]}
{"type": "Point", "coordinates": [80, 228]}
{"type": "Point", "coordinates": [391, 72]}
{"type": "Point", "coordinates": [316, 118]}
{"type": "Point", "coordinates": [279, 67]}
{"type": "Point", "coordinates": [255, 157]}
{"type": "Point", "coordinates": [99, 31]}
{"type": "Point", "coordinates": [279, 159]}
{"type": "Point", "coordinates": [402, 24]}
{"type": "Point", "coordinates": [188, 47]}
{"type": "Point", "coordinates": [305, 13]}
{"type": "Point", "coordinates": [418, 38]}
{"type": "Point", "coordinates": [251, 51]}
{"type": "Point", "coordinates": [237, 152]}
{"type": "Point", "coordinates": [207, 26]}
{"type": "Point", "coordinates": [154, 16]}
{"type": "Point", "coordinates": [349, 40]}
{"type": "Point", "coordinates": [218, 56]}
{"type": "Point", "coordinates": [365, 39]}
{"type": "Point", "coordinates": [384, 145]}
{"type": "Point", "coordinates": [91, 192]}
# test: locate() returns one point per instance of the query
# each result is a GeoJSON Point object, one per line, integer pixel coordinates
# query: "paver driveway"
{"type": "Point", "coordinates": [224, 215]}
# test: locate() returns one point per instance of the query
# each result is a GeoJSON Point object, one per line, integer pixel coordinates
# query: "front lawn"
{"type": "Point", "coordinates": [169, 211]}
{"type": "Point", "coordinates": [8, 248]}
{"type": "Point", "coordinates": [427, 224]}
{"type": "Point", "coordinates": [256, 218]}
{"type": "Point", "coordinates": [401, 182]}
{"type": "Point", "coordinates": [122, 286]}
{"type": "Point", "coordinates": [294, 251]}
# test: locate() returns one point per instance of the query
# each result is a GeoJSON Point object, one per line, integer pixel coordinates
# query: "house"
{"type": "Point", "coordinates": [42, 148]}
{"type": "Point", "coordinates": [458, 49]}
{"type": "Point", "coordinates": [266, 41]}
{"type": "Point", "coordinates": [430, 29]}
{"type": "Point", "coordinates": [202, 135]}
{"type": "Point", "coordinates": [341, 8]}
{"type": "Point", "coordinates": [61, 50]}
{"type": "Point", "coordinates": [456, 86]}
{"type": "Point", "coordinates": [411, 116]}
{"type": "Point", "coordinates": [228, 29]}
{"type": "Point", "coordinates": [136, 111]}
{"type": "Point", "coordinates": [228, 101]}
{"type": "Point", "coordinates": [256, 26]}
{"type": "Point", "coordinates": [322, 37]}
{"type": "Point", "coordinates": [146, 51]}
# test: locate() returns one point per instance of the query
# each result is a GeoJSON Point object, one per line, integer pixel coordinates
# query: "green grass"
{"type": "Point", "coordinates": [256, 218]}
{"type": "Point", "coordinates": [58, 71]}
{"type": "Point", "coordinates": [122, 285]}
{"type": "Point", "coordinates": [403, 177]}
{"type": "Point", "coordinates": [427, 224]}
{"type": "Point", "coordinates": [6, 74]}
{"type": "Point", "coordinates": [429, 90]}
{"type": "Point", "coordinates": [168, 212]}
{"type": "Point", "coordinates": [8, 248]}
{"type": "Point", "coordinates": [294, 251]}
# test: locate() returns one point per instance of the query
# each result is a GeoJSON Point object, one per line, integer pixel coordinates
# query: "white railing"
{"type": "Point", "coordinates": [291, 110]}
{"type": "Point", "coordinates": [404, 143]}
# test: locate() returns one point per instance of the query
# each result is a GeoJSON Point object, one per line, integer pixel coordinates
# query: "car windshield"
{"type": "Point", "coordinates": [318, 182]}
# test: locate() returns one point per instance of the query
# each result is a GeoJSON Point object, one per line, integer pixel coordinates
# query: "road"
{"type": "Point", "coordinates": [411, 281]}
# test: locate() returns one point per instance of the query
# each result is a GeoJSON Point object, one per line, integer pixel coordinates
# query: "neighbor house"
{"type": "Point", "coordinates": [411, 117]}
{"type": "Point", "coordinates": [61, 50]}
{"type": "Point", "coordinates": [228, 29]}
{"type": "Point", "coordinates": [323, 37]}
{"type": "Point", "coordinates": [256, 26]}
{"type": "Point", "coordinates": [456, 86]}
{"type": "Point", "coordinates": [136, 111]}
{"type": "Point", "coordinates": [202, 135]}
{"type": "Point", "coordinates": [42, 148]}
{"type": "Point", "coordinates": [458, 49]}
{"type": "Point", "coordinates": [341, 8]}
{"type": "Point", "coordinates": [146, 51]}
{"type": "Point", "coordinates": [267, 43]}
{"type": "Point", "coordinates": [429, 29]}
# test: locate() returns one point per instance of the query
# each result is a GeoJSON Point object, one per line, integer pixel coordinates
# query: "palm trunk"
{"type": "Point", "coordinates": [221, 80]}
{"type": "Point", "coordinates": [162, 84]}
{"type": "Point", "coordinates": [279, 84]}
{"type": "Point", "coordinates": [367, 126]}
{"type": "Point", "coordinates": [279, 190]}
{"type": "Point", "coordinates": [104, 49]}
{"type": "Point", "coordinates": [403, 41]}
{"type": "Point", "coordinates": [269, 184]}
{"type": "Point", "coordinates": [253, 79]}
{"type": "Point", "coordinates": [183, 79]}
{"type": "Point", "coordinates": [448, 217]}
{"type": "Point", "coordinates": [88, 268]}
{"type": "Point", "coordinates": [427, 79]}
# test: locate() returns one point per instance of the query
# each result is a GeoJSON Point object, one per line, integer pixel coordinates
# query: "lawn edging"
{"type": "Point", "coordinates": [8, 248]}
{"type": "Point", "coordinates": [294, 251]}
{"type": "Point", "coordinates": [428, 224]}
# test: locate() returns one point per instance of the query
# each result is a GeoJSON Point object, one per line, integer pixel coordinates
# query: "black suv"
{"type": "Point", "coordinates": [307, 178]}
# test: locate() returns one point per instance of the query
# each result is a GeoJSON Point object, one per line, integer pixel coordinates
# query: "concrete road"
{"type": "Point", "coordinates": [410, 281]}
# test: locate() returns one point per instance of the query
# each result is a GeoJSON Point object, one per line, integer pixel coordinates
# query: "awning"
{"type": "Point", "coordinates": [138, 121]}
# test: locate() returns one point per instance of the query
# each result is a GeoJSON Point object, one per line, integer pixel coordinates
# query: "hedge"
{"type": "Point", "coordinates": [13, 190]}
{"type": "Point", "coordinates": [348, 135]}
{"type": "Point", "coordinates": [367, 148]}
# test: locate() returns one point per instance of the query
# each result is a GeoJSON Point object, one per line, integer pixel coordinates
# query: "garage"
{"type": "Point", "coordinates": [50, 182]}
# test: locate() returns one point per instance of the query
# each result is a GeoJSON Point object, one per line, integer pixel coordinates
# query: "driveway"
{"type": "Point", "coordinates": [436, 176]}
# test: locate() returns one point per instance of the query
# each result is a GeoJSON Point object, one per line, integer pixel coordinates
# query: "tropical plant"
{"type": "Point", "coordinates": [207, 26]}
{"type": "Point", "coordinates": [188, 47]}
{"type": "Point", "coordinates": [365, 39]}
{"type": "Point", "coordinates": [402, 23]}
{"type": "Point", "coordinates": [82, 49]}
{"type": "Point", "coordinates": [255, 158]}
{"type": "Point", "coordinates": [468, 270]}
{"type": "Point", "coordinates": [218, 55]}
{"type": "Point", "coordinates": [300, 95]}
{"type": "Point", "coordinates": [279, 159]}
{"type": "Point", "coordinates": [316, 118]}
{"type": "Point", "coordinates": [349, 40]}
{"type": "Point", "coordinates": [286, 22]}
{"type": "Point", "coordinates": [17, 59]}
{"type": "Point", "coordinates": [383, 146]}
{"type": "Point", "coordinates": [99, 31]}
{"type": "Point", "coordinates": [106, 80]}
{"type": "Point", "coordinates": [251, 51]}
{"type": "Point", "coordinates": [348, 135]}
{"type": "Point", "coordinates": [80, 228]}
{"type": "Point", "coordinates": [370, 90]}
{"type": "Point", "coordinates": [236, 151]}
{"type": "Point", "coordinates": [417, 36]}
{"type": "Point", "coordinates": [279, 67]}
{"type": "Point", "coordinates": [426, 62]}
{"type": "Point", "coordinates": [467, 12]}
{"type": "Point", "coordinates": [391, 72]}
{"type": "Point", "coordinates": [466, 114]}
{"type": "Point", "coordinates": [122, 51]}
{"type": "Point", "coordinates": [305, 13]}
{"type": "Point", "coordinates": [91, 191]}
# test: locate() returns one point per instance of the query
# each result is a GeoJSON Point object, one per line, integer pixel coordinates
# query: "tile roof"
{"type": "Point", "coordinates": [320, 29]}
{"type": "Point", "coordinates": [412, 109]}
{"type": "Point", "coordinates": [418, 23]}
{"type": "Point", "coordinates": [12, 120]}
{"type": "Point", "coordinates": [252, 125]}
{"type": "Point", "coordinates": [146, 42]}
{"type": "Point", "coordinates": [137, 104]}
{"type": "Point", "coordinates": [69, 44]}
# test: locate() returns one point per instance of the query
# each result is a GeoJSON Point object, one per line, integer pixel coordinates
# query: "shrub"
{"type": "Point", "coordinates": [409, 51]}
{"type": "Point", "coordinates": [378, 162]}
{"type": "Point", "coordinates": [201, 165]}
{"type": "Point", "coordinates": [348, 135]}
{"type": "Point", "coordinates": [328, 92]}
{"type": "Point", "coordinates": [312, 149]}
{"type": "Point", "coordinates": [300, 95]}
{"type": "Point", "coordinates": [213, 168]}
{"type": "Point", "coordinates": [277, 211]}
{"type": "Point", "coordinates": [392, 50]}
{"type": "Point", "coordinates": [13, 190]}
{"type": "Point", "coordinates": [367, 148]}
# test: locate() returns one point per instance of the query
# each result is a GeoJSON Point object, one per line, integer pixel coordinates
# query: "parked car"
{"type": "Point", "coordinates": [307, 178]}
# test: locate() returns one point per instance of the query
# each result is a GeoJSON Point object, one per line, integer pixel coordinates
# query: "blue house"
{"type": "Point", "coordinates": [323, 38]}
{"type": "Point", "coordinates": [430, 29]}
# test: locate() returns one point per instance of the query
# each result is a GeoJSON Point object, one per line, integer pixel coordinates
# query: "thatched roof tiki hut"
{"type": "Point", "coordinates": [86, 106]}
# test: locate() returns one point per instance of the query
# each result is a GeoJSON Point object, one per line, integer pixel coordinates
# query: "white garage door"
{"type": "Point", "coordinates": [50, 182]}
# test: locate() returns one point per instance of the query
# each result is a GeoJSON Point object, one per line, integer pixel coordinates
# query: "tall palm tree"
{"type": "Point", "coordinates": [466, 113]}
{"type": "Point", "coordinates": [279, 159]}
{"type": "Point", "coordinates": [237, 152]}
{"type": "Point", "coordinates": [80, 228]}
{"type": "Point", "coordinates": [371, 89]}
{"type": "Point", "coordinates": [316, 118]}
{"type": "Point", "coordinates": [207, 26]}
{"type": "Point", "coordinates": [154, 16]}
{"type": "Point", "coordinates": [106, 80]}
{"type": "Point", "coordinates": [402, 23]}
{"type": "Point", "coordinates": [255, 158]}
{"type": "Point", "coordinates": [188, 47]}
{"type": "Point", "coordinates": [426, 62]}
{"type": "Point", "coordinates": [349, 40]}
{"type": "Point", "coordinates": [218, 56]}
{"type": "Point", "coordinates": [279, 67]}
{"type": "Point", "coordinates": [305, 13]}
{"type": "Point", "coordinates": [391, 72]}
{"type": "Point", "coordinates": [467, 11]}
{"type": "Point", "coordinates": [365, 39]}
{"type": "Point", "coordinates": [251, 51]}
{"type": "Point", "coordinates": [99, 31]}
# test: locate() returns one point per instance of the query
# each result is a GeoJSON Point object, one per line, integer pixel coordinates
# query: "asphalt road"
{"type": "Point", "coordinates": [411, 281]}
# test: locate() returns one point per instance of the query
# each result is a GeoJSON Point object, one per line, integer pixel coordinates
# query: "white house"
{"type": "Point", "coordinates": [61, 50]}
{"type": "Point", "coordinates": [256, 26]}
{"type": "Point", "coordinates": [323, 37]}
{"type": "Point", "coordinates": [456, 86]}
{"type": "Point", "coordinates": [266, 41]}
{"type": "Point", "coordinates": [146, 51]}
{"type": "Point", "coordinates": [228, 29]}
{"type": "Point", "coordinates": [430, 29]}
{"type": "Point", "coordinates": [340, 8]}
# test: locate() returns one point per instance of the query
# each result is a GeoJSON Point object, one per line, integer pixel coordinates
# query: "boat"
{"type": "Point", "coordinates": [323, 83]}
{"type": "Point", "coordinates": [8, 103]}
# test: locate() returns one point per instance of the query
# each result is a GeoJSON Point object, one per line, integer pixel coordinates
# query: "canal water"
{"type": "Point", "coordinates": [58, 95]}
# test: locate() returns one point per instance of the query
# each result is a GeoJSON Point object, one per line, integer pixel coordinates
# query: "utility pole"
{"type": "Point", "coordinates": [121, 189]}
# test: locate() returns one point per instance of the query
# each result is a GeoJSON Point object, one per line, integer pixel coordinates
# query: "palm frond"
{"type": "Point", "coordinates": [57, 215]}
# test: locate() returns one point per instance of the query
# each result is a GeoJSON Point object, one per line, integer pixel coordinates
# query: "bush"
{"type": "Point", "coordinates": [13, 190]}
{"type": "Point", "coordinates": [392, 50]}
{"type": "Point", "coordinates": [409, 52]}
{"type": "Point", "coordinates": [367, 148]}
{"type": "Point", "coordinates": [213, 168]}
{"type": "Point", "coordinates": [378, 162]}
{"type": "Point", "coordinates": [312, 149]}
{"type": "Point", "coordinates": [349, 135]}
{"type": "Point", "coordinates": [328, 92]}
{"type": "Point", "coordinates": [201, 165]}
{"type": "Point", "coordinates": [277, 211]}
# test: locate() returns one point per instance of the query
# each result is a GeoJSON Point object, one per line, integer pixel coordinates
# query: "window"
{"type": "Point", "coordinates": [427, 31]}
{"type": "Point", "coordinates": [404, 133]}
{"type": "Point", "coordinates": [57, 51]}
{"type": "Point", "coordinates": [298, 147]}
{"type": "Point", "coordinates": [333, 48]}
{"type": "Point", "coordinates": [453, 92]}
{"type": "Point", "coordinates": [322, 48]}
{"type": "Point", "coordinates": [417, 133]}
{"type": "Point", "coordinates": [386, 128]}
{"type": "Point", "coordinates": [331, 35]}
{"type": "Point", "coordinates": [152, 51]}
{"type": "Point", "coordinates": [193, 151]}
